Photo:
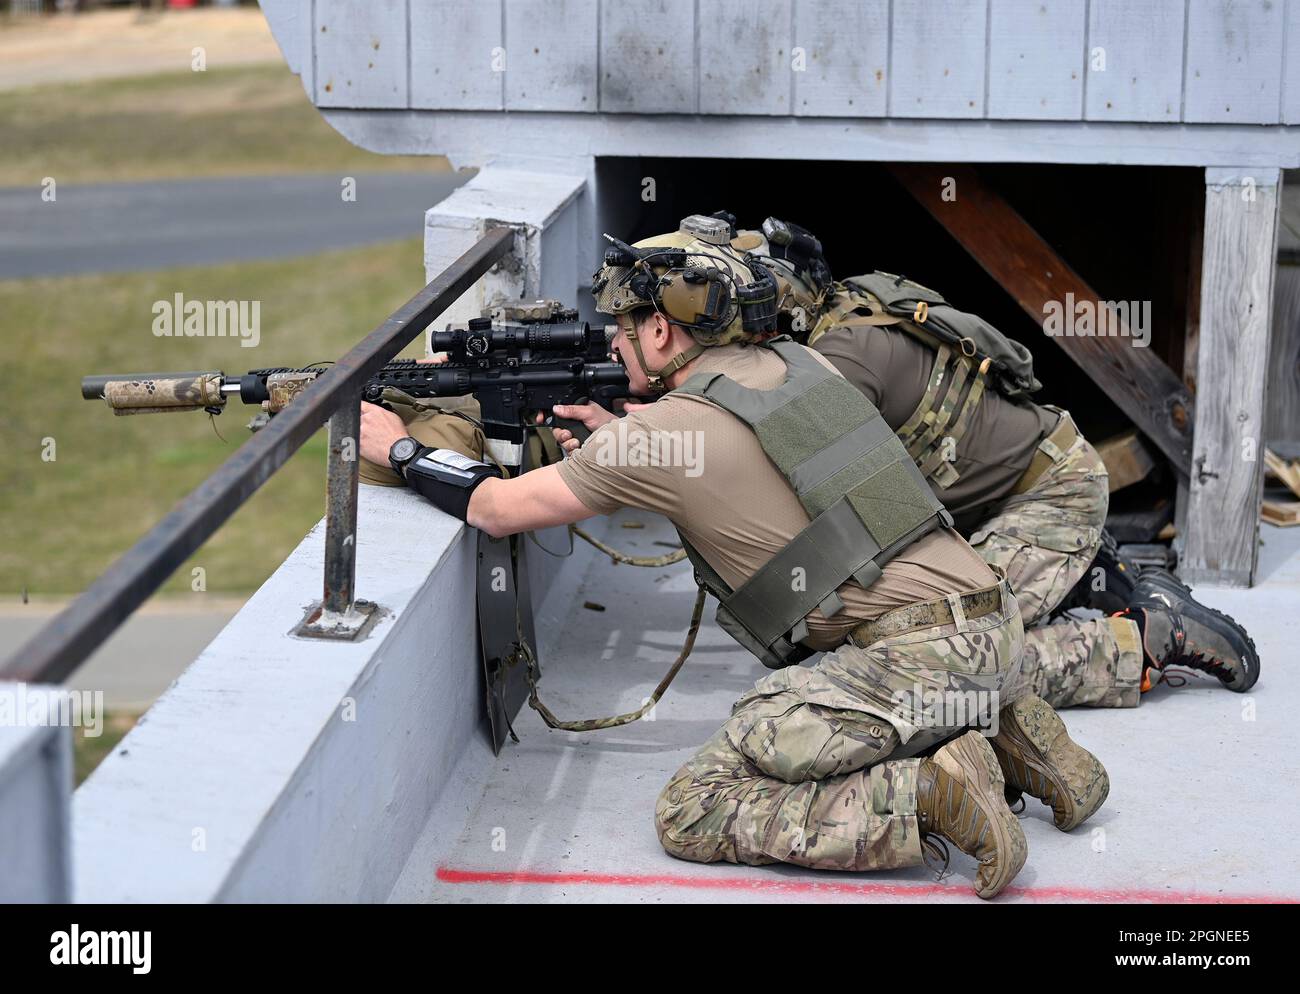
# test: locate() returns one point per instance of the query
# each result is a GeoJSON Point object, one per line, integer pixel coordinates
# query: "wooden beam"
{"type": "Point", "coordinates": [1029, 269]}
{"type": "Point", "coordinates": [1191, 345]}
{"type": "Point", "coordinates": [1237, 272]}
{"type": "Point", "coordinates": [1127, 460]}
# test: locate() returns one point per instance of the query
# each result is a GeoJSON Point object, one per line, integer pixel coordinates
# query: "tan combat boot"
{"type": "Point", "coordinates": [959, 796]}
{"type": "Point", "coordinates": [1039, 758]}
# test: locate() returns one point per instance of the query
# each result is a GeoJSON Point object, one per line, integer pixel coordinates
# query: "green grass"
{"type": "Point", "coordinates": [88, 752]}
{"type": "Point", "coordinates": [63, 521]}
{"type": "Point", "coordinates": [249, 120]}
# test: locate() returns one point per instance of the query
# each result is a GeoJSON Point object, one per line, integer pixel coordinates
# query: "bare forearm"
{"type": "Point", "coordinates": [539, 499]}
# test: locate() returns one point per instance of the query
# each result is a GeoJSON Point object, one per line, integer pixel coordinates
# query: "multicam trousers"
{"type": "Point", "coordinates": [430, 422]}
{"type": "Point", "coordinates": [802, 770]}
{"type": "Point", "coordinates": [1045, 539]}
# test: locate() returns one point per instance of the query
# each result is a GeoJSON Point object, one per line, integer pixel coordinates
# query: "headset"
{"type": "Point", "coordinates": [694, 289]}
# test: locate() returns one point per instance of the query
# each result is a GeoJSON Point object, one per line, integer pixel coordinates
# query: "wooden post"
{"type": "Point", "coordinates": [1191, 351]}
{"type": "Point", "coordinates": [1237, 272]}
{"type": "Point", "coordinates": [1282, 425]}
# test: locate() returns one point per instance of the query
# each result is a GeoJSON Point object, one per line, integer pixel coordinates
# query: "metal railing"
{"type": "Point", "coordinates": [69, 638]}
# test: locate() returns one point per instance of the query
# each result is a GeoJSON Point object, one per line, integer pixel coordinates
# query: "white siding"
{"type": "Point", "coordinates": [647, 59]}
{"type": "Point", "coordinates": [1036, 59]}
{"type": "Point", "coordinates": [1141, 43]}
{"type": "Point", "coordinates": [1291, 65]}
{"type": "Point", "coordinates": [453, 47]}
{"type": "Point", "coordinates": [361, 56]}
{"type": "Point", "coordinates": [938, 60]}
{"type": "Point", "coordinates": [745, 56]}
{"type": "Point", "coordinates": [551, 55]}
{"type": "Point", "coordinates": [1234, 61]}
{"type": "Point", "coordinates": [845, 47]}
{"type": "Point", "coordinates": [1111, 61]}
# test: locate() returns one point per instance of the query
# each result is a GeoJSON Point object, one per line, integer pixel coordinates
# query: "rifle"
{"type": "Point", "coordinates": [517, 361]}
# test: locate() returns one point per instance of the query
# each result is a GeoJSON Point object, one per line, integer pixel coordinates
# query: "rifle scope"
{"type": "Point", "coordinates": [538, 337]}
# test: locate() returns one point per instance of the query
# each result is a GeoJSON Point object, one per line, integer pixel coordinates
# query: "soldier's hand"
{"type": "Point", "coordinates": [380, 428]}
{"type": "Point", "coordinates": [590, 416]}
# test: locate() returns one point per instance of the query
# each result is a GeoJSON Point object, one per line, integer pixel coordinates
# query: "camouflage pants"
{"type": "Point", "coordinates": [807, 769]}
{"type": "Point", "coordinates": [427, 423]}
{"type": "Point", "coordinates": [1091, 663]}
{"type": "Point", "coordinates": [1045, 539]}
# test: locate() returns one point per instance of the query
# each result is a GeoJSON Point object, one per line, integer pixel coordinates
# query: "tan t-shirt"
{"type": "Point", "coordinates": [704, 470]}
{"type": "Point", "coordinates": [893, 369]}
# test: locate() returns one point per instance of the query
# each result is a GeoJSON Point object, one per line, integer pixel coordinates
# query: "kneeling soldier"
{"type": "Point", "coordinates": [816, 532]}
{"type": "Point", "coordinates": [1017, 477]}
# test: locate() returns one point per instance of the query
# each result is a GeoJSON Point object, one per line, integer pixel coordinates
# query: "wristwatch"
{"type": "Point", "coordinates": [401, 453]}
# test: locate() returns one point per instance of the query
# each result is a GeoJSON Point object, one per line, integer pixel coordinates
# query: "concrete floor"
{"type": "Point", "coordinates": [1202, 804]}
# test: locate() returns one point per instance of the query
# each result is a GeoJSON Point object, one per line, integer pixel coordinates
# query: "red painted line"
{"type": "Point", "coordinates": [780, 885]}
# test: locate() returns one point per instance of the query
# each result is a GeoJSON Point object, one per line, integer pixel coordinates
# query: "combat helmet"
{"type": "Point", "coordinates": [698, 278]}
{"type": "Point", "coordinates": [804, 282]}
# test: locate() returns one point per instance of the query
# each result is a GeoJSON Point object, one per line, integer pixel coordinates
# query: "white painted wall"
{"type": "Point", "coordinates": [35, 798]}
{"type": "Point", "coordinates": [247, 782]}
{"type": "Point", "coordinates": [1203, 61]}
{"type": "Point", "coordinates": [540, 205]}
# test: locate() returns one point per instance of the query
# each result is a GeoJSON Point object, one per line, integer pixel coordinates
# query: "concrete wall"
{"type": "Point", "coordinates": [280, 768]}
{"type": "Point", "coordinates": [284, 769]}
{"type": "Point", "coordinates": [35, 797]}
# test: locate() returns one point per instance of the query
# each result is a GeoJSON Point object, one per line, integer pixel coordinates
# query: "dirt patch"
{"type": "Point", "coordinates": [115, 43]}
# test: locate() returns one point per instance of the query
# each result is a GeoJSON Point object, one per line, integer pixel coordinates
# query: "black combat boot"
{"type": "Point", "coordinates": [1178, 630]}
{"type": "Point", "coordinates": [1118, 576]}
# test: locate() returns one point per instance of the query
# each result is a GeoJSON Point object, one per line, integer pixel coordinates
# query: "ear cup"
{"type": "Point", "coordinates": [696, 297]}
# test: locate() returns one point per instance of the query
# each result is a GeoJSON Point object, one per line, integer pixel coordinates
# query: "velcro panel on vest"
{"type": "Point", "coordinates": [807, 424]}
{"type": "Point", "coordinates": [887, 505]}
{"type": "Point", "coordinates": [858, 445]}
{"type": "Point", "coordinates": [832, 548]}
{"type": "Point", "coordinates": [855, 475]}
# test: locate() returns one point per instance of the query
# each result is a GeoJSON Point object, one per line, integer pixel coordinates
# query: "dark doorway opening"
{"type": "Point", "coordinates": [1133, 233]}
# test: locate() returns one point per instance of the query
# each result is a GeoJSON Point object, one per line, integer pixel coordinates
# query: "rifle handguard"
{"type": "Point", "coordinates": [160, 396]}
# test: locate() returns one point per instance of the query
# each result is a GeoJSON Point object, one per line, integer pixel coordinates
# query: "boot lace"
{"type": "Point", "coordinates": [935, 855]}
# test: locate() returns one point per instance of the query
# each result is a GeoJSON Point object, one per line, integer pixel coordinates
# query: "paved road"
{"type": "Point", "coordinates": [138, 662]}
{"type": "Point", "coordinates": [121, 227]}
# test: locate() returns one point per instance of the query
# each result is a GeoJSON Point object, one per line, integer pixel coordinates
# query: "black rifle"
{"type": "Point", "coordinates": [515, 368]}
{"type": "Point", "coordinates": [521, 361]}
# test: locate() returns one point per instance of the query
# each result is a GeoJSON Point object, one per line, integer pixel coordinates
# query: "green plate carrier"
{"type": "Point", "coordinates": [863, 492]}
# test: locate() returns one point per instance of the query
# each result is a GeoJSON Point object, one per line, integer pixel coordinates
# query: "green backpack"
{"type": "Point", "coordinates": [926, 315]}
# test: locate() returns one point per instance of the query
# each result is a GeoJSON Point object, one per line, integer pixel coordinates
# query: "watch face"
{"type": "Point", "coordinates": [403, 449]}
